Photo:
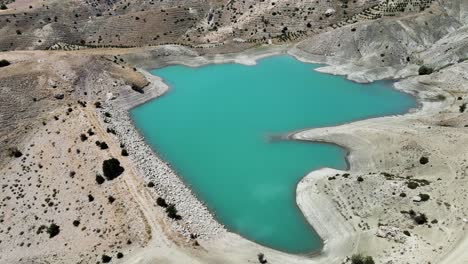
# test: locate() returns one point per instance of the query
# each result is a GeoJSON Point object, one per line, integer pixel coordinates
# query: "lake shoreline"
{"type": "Point", "coordinates": [248, 58]}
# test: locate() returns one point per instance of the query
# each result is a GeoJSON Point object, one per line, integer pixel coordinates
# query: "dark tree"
{"type": "Point", "coordinates": [112, 169]}
{"type": "Point", "coordinates": [4, 63]}
{"type": "Point", "coordinates": [361, 259]}
{"type": "Point", "coordinates": [172, 212]}
{"type": "Point", "coordinates": [261, 258]}
{"type": "Point", "coordinates": [424, 160]}
{"type": "Point", "coordinates": [161, 202]}
{"type": "Point", "coordinates": [53, 230]}
{"type": "Point", "coordinates": [424, 70]}
{"type": "Point", "coordinates": [99, 179]}
{"type": "Point", "coordinates": [106, 259]}
{"type": "Point", "coordinates": [14, 152]}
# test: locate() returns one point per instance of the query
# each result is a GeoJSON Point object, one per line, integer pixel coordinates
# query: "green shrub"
{"type": "Point", "coordinates": [138, 89]}
{"type": "Point", "coordinates": [261, 258]}
{"type": "Point", "coordinates": [424, 70]}
{"type": "Point", "coordinates": [53, 230]}
{"type": "Point", "coordinates": [161, 202]}
{"type": "Point", "coordinates": [424, 197]}
{"type": "Point", "coordinates": [462, 108]}
{"type": "Point", "coordinates": [112, 169]}
{"type": "Point", "coordinates": [420, 219]}
{"type": "Point", "coordinates": [412, 185]}
{"type": "Point", "coordinates": [3, 7]}
{"type": "Point", "coordinates": [172, 212]}
{"type": "Point", "coordinates": [424, 160]}
{"type": "Point", "coordinates": [361, 259]}
{"type": "Point", "coordinates": [14, 152]}
{"type": "Point", "coordinates": [4, 63]}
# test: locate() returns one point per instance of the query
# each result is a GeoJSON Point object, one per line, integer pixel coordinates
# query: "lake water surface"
{"type": "Point", "coordinates": [215, 126]}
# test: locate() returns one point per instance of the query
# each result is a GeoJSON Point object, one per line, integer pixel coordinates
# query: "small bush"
{"type": "Point", "coordinates": [99, 179]}
{"type": "Point", "coordinates": [172, 212]}
{"type": "Point", "coordinates": [4, 63]}
{"type": "Point", "coordinates": [138, 89]}
{"type": "Point", "coordinates": [462, 108]}
{"type": "Point", "coordinates": [424, 160]}
{"type": "Point", "coordinates": [261, 258]}
{"type": "Point", "coordinates": [3, 7]}
{"type": "Point", "coordinates": [424, 70]}
{"type": "Point", "coordinates": [106, 259]}
{"type": "Point", "coordinates": [161, 202]}
{"type": "Point", "coordinates": [412, 185]}
{"type": "Point", "coordinates": [361, 259]}
{"type": "Point", "coordinates": [424, 197]}
{"type": "Point", "coordinates": [14, 152]}
{"type": "Point", "coordinates": [103, 145]}
{"type": "Point", "coordinates": [420, 219]}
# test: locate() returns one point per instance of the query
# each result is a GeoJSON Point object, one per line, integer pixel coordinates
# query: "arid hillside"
{"type": "Point", "coordinates": [34, 24]}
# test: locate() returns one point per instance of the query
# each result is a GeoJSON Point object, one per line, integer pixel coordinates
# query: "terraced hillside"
{"type": "Point", "coordinates": [33, 24]}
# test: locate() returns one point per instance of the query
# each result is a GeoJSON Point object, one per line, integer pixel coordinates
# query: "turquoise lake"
{"type": "Point", "coordinates": [215, 124]}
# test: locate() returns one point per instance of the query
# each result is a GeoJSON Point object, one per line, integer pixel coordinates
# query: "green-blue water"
{"type": "Point", "coordinates": [214, 127]}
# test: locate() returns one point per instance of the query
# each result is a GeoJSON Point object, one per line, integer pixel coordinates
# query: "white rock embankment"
{"type": "Point", "coordinates": [196, 218]}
